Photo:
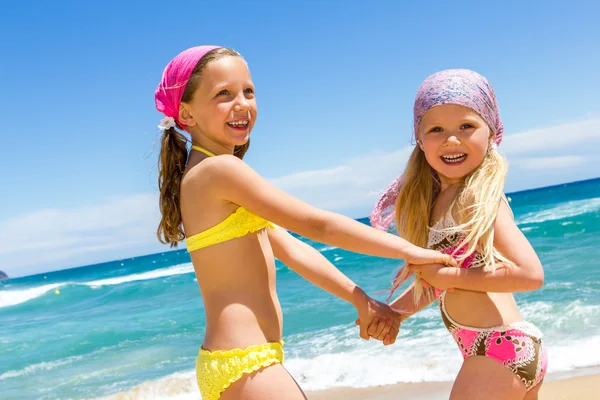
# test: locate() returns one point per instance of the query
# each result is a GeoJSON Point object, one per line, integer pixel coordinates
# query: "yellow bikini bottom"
{"type": "Point", "coordinates": [217, 370]}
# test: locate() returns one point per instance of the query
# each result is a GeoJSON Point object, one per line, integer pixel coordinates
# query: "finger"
{"type": "Point", "coordinates": [357, 322]}
{"type": "Point", "coordinates": [387, 340]}
{"type": "Point", "coordinates": [372, 329]}
{"type": "Point", "coordinates": [396, 321]}
{"type": "Point", "coordinates": [415, 268]}
{"type": "Point", "coordinates": [363, 331]}
{"type": "Point", "coordinates": [385, 331]}
{"type": "Point", "coordinates": [381, 327]}
{"type": "Point", "coordinates": [450, 261]}
{"type": "Point", "coordinates": [392, 336]}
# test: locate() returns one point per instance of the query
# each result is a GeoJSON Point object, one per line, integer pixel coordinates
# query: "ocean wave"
{"type": "Point", "coordinates": [14, 297]}
{"type": "Point", "coordinates": [328, 248]}
{"type": "Point", "coordinates": [337, 357]}
{"type": "Point", "coordinates": [43, 366]}
{"type": "Point", "coordinates": [177, 386]}
{"type": "Point", "coordinates": [563, 318]}
{"type": "Point", "coordinates": [154, 274]}
{"type": "Point", "coordinates": [561, 211]}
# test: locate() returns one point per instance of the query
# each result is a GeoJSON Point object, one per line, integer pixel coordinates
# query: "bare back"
{"type": "Point", "coordinates": [236, 277]}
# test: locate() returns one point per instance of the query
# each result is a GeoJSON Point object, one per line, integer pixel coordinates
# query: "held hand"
{"type": "Point", "coordinates": [418, 256]}
{"type": "Point", "coordinates": [432, 275]}
{"type": "Point", "coordinates": [378, 320]}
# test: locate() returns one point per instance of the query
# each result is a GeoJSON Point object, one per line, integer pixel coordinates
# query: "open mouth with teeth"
{"type": "Point", "coordinates": [239, 125]}
{"type": "Point", "coordinates": [454, 159]}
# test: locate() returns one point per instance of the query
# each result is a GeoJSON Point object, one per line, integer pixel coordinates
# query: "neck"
{"type": "Point", "coordinates": [447, 183]}
{"type": "Point", "coordinates": [213, 147]}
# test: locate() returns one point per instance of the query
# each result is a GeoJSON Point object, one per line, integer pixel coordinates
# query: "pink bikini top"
{"type": "Point", "coordinates": [447, 241]}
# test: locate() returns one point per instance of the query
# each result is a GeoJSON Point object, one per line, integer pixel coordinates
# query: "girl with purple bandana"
{"type": "Point", "coordinates": [223, 210]}
{"type": "Point", "coordinates": [450, 198]}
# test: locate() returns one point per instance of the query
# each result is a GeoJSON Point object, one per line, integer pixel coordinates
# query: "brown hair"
{"type": "Point", "coordinates": [173, 159]}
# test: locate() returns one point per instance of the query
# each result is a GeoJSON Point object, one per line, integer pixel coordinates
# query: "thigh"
{"type": "Point", "coordinates": [483, 378]}
{"type": "Point", "coordinates": [533, 393]}
{"type": "Point", "coordinates": [270, 383]}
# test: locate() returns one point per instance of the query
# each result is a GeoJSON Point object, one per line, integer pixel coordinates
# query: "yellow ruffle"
{"type": "Point", "coordinates": [240, 223]}
{"type": "Point", "coordinates": [217, 370]}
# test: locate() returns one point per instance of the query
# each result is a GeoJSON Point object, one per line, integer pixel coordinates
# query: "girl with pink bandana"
{"type": "Point", "coordinates": [450, 198]}
{"type": "Point", "coordinates": [227, 214]}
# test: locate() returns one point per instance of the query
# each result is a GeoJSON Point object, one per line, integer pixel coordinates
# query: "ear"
{"type": "Point", "coordinates": [492, 135]}
{"type": "Point", "coordinates": [185, 117]}
{"type": "Point", "coordinates": [420, 144]}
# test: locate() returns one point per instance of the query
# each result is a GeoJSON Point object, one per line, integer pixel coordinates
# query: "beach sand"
{"type": "Point", "coordinates": [572, 388]}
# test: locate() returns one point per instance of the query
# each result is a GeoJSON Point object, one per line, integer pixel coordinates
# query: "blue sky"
{"type": "Point", "coordinates": [335, 85]}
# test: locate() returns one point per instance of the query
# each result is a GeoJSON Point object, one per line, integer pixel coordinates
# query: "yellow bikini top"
{"type": "Point", "coordinates": [240, 223]}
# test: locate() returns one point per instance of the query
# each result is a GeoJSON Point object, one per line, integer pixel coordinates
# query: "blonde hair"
{"type": "Point", "coordinates": [477, 204]}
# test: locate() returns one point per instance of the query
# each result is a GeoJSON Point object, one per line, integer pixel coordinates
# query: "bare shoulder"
{"type": "Point", "coordinates": [209, 169]}
{"type": "Point", "coordinates": [505, 213]}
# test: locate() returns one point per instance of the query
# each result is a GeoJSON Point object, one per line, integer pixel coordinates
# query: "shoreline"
{"type": "Point", "coordinates": [580, 384]}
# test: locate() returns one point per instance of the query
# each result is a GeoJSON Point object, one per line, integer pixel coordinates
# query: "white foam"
{"type": "Point", "coordinates": [158, 273]}
{"type": "Point", "coordinates": [337, 357]}
{"type": "Point", "coordinates": [327, 248]}
{"type": "Point", "coordinates": [43, 366]}
{"type": "Point", "coordinates": [569, 355]}
{"type": "Point", "coordinates": [558, 320]}
{"type": "Point", "coordinates": [14, 297]}
{"type": "Point", "coordinates": [178, 386]}
{"type": "Point", "coordinates": [561, 211]}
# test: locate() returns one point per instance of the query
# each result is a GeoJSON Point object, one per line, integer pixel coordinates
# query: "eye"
{"type": "Point", "coordinates": [223, 92]}
{"type": "Point", "coordinates": [466, 126]}
{"type": "Point", "coordinates": [249, 91]}
{"type": "Point", "coordinates": [436, 129]}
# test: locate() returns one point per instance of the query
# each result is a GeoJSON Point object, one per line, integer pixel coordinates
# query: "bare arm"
{"type": "Point", "coordinates": [526, 274]}
{"type": "Point", "coordinates": [230, 179]}
{"type": "Point", "coordinates": [315, 268]}
{"type": "Point", "coordinates": [405, 306]}
{"type": "Point", "coordinates": [312, 265]}
{"type": "Point", "coordinates": [405, 303]}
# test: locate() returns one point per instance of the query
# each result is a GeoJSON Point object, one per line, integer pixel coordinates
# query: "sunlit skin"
{"type": "Point", "coordinates": [237, 277]}
{"type": "Point", "coordinates": [455, 141]}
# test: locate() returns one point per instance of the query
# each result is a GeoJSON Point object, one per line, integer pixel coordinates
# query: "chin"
{"type": "Point", "coordinates": [452, 175]}
{"type": "Point", "coordinates": [241, 141]}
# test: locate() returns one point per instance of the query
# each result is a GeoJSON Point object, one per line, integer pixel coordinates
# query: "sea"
{"type": "Point", "coordinates": [131, 329]}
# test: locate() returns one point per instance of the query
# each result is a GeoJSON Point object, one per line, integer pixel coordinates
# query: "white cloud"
{"type": "Point", "coordinates": [343, 187]}
{"type": "Point", "coordinates": [554, 138]}
{"type": "Point", "coordinates": [52, 238]}
{"type": "Point", "coordinates": [536, 163]}
{"type": "Point", "coordinates": [55, 237]}
{"type": "Point", "coordinates": [538, 157]}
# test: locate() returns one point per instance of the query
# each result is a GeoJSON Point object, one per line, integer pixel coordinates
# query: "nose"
{"type": "Point", "coordinates": [241, 103]}
{"type": "Point", "coordinates": [452, 140]}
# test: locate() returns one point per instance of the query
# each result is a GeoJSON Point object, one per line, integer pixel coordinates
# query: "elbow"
{"type": "Point", "coordinates": [318, 227]}
{"type": "Point", "coordinates": [536, 278]}
{"type": "Point", "coordinates": [537, 281]}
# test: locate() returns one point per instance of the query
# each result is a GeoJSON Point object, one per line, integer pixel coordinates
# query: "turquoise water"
{"type": "Point", "coordinates": [139, 322]}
